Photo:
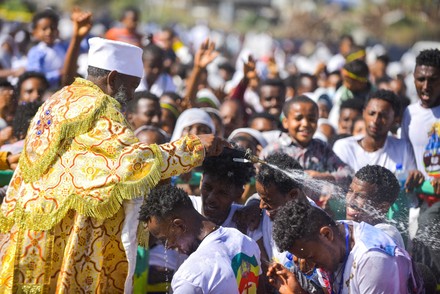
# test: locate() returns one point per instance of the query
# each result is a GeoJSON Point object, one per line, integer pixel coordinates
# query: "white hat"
{"type": "Point", "coordinates": [252, 132]}
{"type": "Point", "coordinates": [114, 55]}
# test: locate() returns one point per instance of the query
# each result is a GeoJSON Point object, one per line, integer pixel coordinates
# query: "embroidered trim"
{"type": "Point", "coordinates": [100, 210]}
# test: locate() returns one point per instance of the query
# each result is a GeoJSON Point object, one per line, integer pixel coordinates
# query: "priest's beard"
{"type": "Point", "coordinates": [121, 95]}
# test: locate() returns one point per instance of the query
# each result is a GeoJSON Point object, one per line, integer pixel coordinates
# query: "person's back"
{"type": "Point", "coordinates": [218, 264]}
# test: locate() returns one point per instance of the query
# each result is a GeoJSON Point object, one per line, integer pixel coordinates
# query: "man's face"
{"type": "Point", "coordinates": [358, 205]}
{"type": "Point", "coordinates": [231, 116]}
{"type": "Point", "coordinates": [272, 99]}
{"type": "Point", "coordinates": [172, 234]}
{"type": "Point", "coordinates": [319, 251]}
{"type": "Point", "coordinates": [301, 122]}
{"type": "Point", "coordinates": [271, 199]}
{"type": "Point", "coordinates": [379, 118]}
{"type": "Point", "coordinates": [153, 66]}
{"type": "Point", "coordinates": [427, 82]}
{"type": "Point", "coordinates": [217, 198]}
{"type": "Point", "coordinates": [347, 117]}
{"type": "Point", "coordinates": [148, 114]}
{"type": "Point", "coordinates": [124, 87]}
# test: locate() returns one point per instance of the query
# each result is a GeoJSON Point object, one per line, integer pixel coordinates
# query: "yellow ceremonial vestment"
{"type": "Point", "coordinates": [62, 219]}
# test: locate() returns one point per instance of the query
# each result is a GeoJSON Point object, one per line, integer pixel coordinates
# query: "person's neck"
{"type": "Point", "coordinates": [370, 144]}
{"type": "Point", "coordinates": [206, 228]}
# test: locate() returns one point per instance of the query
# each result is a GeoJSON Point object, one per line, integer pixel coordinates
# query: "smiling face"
{"type": "Point", "coordinates": [46, 31]}
{"type": "Point", "coordinates": [427, 82]}
{"type": "Point", "coordinates": [379, 117]}
{"type": "Point", "coordinates": [271, 199]}
{"type": "Point", "coordinates": [358, 202]}
{"type": "Point", "coordinates": [301, 122]}
{"type": "Point", "coordinates": [217, 198]}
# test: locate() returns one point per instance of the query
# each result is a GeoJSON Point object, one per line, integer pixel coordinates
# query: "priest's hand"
{"type": "Point", "coordinates": [213, 145]}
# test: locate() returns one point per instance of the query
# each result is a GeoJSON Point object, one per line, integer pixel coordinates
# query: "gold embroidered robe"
{"type": "Point", "coordinates": [62, 224]}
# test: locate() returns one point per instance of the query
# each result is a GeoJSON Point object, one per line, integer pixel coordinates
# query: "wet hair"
{"type": "Point", "coordinates": [30, 75]}
{"type": "Point", "coordinates": [23, 117]}
{"type": "Point", "coordinates": [132, 105]}
{"type": "Point", "coordinates": [429, 57]}
{"type": "Point", "coordinates": [46, 13]}
{"type": "Point", "coordinates": [298, 220]}
{"type": "Point", "coordinates": [97, 72]}
{"type": "Point", "coordinates": [387, 96]}
{"type": "Point", "coordinates": [298, 99]}
{"type": "Point", "coordinates": [388, 187]}
{"type": "Point", "coordinates": [224, 168]}
{"type": "Point", "coordinates": [163, 202]}
{"type": "Point", "coordinates": [269, 176]}
{"type": "Point", "coordinates": [358, 67]}
{"type": "Point", "coordinates": [355, 103]}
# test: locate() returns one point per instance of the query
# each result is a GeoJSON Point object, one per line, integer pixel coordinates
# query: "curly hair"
{"type": "Point", "coordinates": [298, 99]}
{"type": "Point", "coordinates": [268, 175]}
{"type": "Point", "coordinates": [46, 13]}
{"type": "Point", "coordinates": [163, 202]}
{"type": "Point", "coordinates": [388, 187]}
{"type": "Point", "coordinates": [298, 220]}
{"type": "Point", "coordinates": [387, 96]}
{"type": "Point", "coordinates": [429, 57]}
{"type": "Point", "coordinates": [224, 168]}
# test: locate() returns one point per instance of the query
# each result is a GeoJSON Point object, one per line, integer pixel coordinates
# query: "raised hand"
{"type": "Point", "coordinates": [249, 68]}
{"type": "Point", "coordinates": [82, 22]}
{"type": "Point", "coordinates": [205, 55]}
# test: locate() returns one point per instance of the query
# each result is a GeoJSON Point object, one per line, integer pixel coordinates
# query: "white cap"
{"type": "Point", "coordinates": [114, 55]}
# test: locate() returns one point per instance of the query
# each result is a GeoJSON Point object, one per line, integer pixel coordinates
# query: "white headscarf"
{"type": "Point", "coordinates": [190, 117]}
{"type": "Point", "coordinates": [252, 132]}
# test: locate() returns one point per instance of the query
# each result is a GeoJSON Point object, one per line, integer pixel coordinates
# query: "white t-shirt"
{"type": "Point", "coordinates": [226, 261]}
{"type": "Point", "coordinates": [418, 125]}
{"type": "Point", "coordinates": [395, 151]}
{"type": "Point", "coordinates": [369, 269]}
{"type": "Point", "coordinates": [228, 223]}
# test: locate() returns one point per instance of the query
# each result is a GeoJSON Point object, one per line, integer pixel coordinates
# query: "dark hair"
{"type": "Point", "coordinates": [46, 13]}
{"type": "Point", "coordinates": [4, 83]}
{"type": "Point", "coordinates": [275, 83]}
{"type": "Point", "coordinates": [298, 99]}
{"type": "Point", "coordinates": [30, 75]}
{"type": "Point", "coordinates": [358, 67]}
{"type": "Point", "coordinates": [269, 176]}
{"type": "Point", "coordinates": [387, 96]}
{"type": "Point", "coordinates": [97, 72]}
{"type": "Point", "coordinates": [224, 168]}
{"type": "Point", "coordinates": [228, 67]}
{"type": "Point", "coordinates": [127, 9]}
{"type": "Point", "coordinates": [429, 57]}
{"type": "Point", "coordinates": [23, 117]}
{"type": "Point", "coordinates": [154, 50]}
{"type": "Point", "coordinates": [146, 128]}
{"type": "Point", "coordinates": [298, 220]}
{"type": "Point", "coordinates": [385, 59]}
{"type": "Point", "coordinates": [132, 105]}
{"type": "Point", "coordinates": [264, 115]}
{"type": "Point", "coordinates": [291, 81]}
{"type": "Point", "coordinates": [173, 95]}
{"type": "Point", "coordinates": [387, 184]}
{"type": "Point", "coordinates": [355, 103]}
{"type": "Point", "coordinates": [163, 202]}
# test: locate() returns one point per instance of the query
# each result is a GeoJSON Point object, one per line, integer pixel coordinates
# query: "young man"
{"type": "Point", "coordinates": [362, 258]}
{"type": "Point", "coordinates": [372, 192]}
{"type": "Point", "coordinates": [221, 260]}
{"type": "Point", "coordinates": [144, 110]}
{"type": "Point", "coordinates": [272, 95]}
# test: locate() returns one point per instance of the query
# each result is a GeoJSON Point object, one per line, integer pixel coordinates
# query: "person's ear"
{"type": "Point", "coordinates": [293, 193]}
{"type": "Point", "coordinates": [327, 233]}
{"type": "Point", "coordinates": [111, 82]}
{"type": "Point", "coordinates": [179, 224]}
{"type": "Point", "coordinates": [285, 123]}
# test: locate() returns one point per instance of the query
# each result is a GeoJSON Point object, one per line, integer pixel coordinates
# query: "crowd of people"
{"type": "Point", "coordinates": [155, 164]}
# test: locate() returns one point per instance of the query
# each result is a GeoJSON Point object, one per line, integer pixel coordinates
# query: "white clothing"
{"type": "Point", "coordinates": [375, 264]}
{"type": "Point", "coordinates": [164, 83]}
{"type": "Point", "coordinates": [190, 117]}
{"type": "Point", "coordinates": [393, 232]}
{"type": "Point", "coordinates": [417, 126]}
{"type": "Point", "coordinates": [395, 151]}
{"type": "Point", "coordinates": [226, 261]}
